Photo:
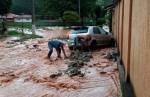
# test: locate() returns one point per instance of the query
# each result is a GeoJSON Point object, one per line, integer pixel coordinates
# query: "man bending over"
{"type": "Point", "coordinates": [58, 45]}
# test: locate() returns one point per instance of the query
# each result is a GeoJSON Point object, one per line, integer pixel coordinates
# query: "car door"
{"type": "Point", "coordinates": [105, 36]}
{"type": "Point", "coordinates": [97, 35]}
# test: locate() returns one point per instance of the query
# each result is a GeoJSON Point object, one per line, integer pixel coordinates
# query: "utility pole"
{"type": "Point", "coordinates": [79, 8]}
{"type": "Point", "coordinates": [22, 23]}
{"type": "Point", "coordinates": [33, 17]}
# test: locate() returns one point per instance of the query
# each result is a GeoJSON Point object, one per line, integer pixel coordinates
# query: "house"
{"type": "Point", "coordinates": [10, 17]}
{"type": "Point", "coordinates": [23, 18]}
{"type": "Point", "coordinates": [131, 29]}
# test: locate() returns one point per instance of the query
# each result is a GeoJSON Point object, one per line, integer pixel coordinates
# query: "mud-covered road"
{"type": "Point", "coordinates": [26, 72]}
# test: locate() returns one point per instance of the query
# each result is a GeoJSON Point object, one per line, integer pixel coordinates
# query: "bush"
{"type": "Point", "coordinates": [19, 25]}
{"type": "Point", "coordinates": [71, 16]}
{"type": "Point", "coordinates": [101, 21]}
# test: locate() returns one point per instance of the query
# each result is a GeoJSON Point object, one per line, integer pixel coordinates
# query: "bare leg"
{"type": "Point", "coordinates": [50, 51]}
{"type": "Point", "coordinates": [58, 52]}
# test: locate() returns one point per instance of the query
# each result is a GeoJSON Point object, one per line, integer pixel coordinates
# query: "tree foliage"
{"type": "Point", "coordinates": [103, 3]}
{"type": "Point", "coordinates": [4, 9]}
{"type": "Point", "coordinates": [54, 9]}
{"type": "Point", "coordinates": [5, 6]}
{"type": "Point", "coordinates": [71, 16]}
{"type": "Point", "coordinates": [22, 6]}
{"type": "Point", "coordinates": [58, 7]}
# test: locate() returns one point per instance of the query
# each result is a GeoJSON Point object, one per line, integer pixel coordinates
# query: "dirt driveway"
{"type": "Point", "coordinates": [25, 72]}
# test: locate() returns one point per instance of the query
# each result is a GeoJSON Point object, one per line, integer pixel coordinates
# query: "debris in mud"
{"type": "Point", "coordinates": [77, 60]}
{"type": "Point", "coordinates": [46, 95]}
{"type": "Point", "coordinates": [103, 72]}
{"type": "Point", "coordinates": [81, 56]}
{"type": "Point", "coordinates": [112, 55]}
{"type": "Point", "coordinates": [51, 83]}
{"type": "Point", "coordinates": [74, 70]}
{"type": "Point", "coordinates": [61, 85]}
{"type": "Point", "coordinates": [34, 46]}
{"type": "Point", "coordinates": [55, 75]}
{"type": "Point", "coordinates": [7, 77]}
{"type": "Point", "coordinates": [13, 43]}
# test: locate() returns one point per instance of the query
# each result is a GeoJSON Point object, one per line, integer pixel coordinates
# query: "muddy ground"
{"type": "Point", "coordinates": [26, 72]}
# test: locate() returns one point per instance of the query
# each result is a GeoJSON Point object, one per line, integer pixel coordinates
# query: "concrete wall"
{"type": "Point", "coordinates": [23, 20]}
{"type": "Point", "coordinates": [131, 27]}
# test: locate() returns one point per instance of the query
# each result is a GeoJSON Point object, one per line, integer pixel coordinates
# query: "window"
{"type": "Point", "coordinates": [103, 31]}
{"type": "Point", "coordinates": [96, 30]}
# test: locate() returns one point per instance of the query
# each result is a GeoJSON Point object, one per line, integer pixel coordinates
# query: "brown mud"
{"type": "Point", "coordinates": [26, 72]}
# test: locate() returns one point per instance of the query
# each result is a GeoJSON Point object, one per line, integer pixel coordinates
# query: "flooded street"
{"type": "Point", "coordinates": [26, 72]}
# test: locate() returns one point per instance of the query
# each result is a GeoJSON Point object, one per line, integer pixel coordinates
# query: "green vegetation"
{"type": "Point", "coordinates": [25, 6]}
{"type": "Point", "coordinates": [22, 36]}
{"type": "Point", "coordinates": [5, 6]}
{"type": "Point", "coordinates": [14, 33]}
{"type": "Point", "coordinates": [19, 25]}
{"type": "Point", "coordinates": [103, 3]}
{"type": "Point", "coordinates": [90, 10]}
{"type": "Point", "coordinates": [56, 8]}
{"type": "Point", "coordinates": [71, 16]}
{"type": "Point", "coordinates": [21, 6]}
{"type": "Point", "coordinates": [101, 21]}
{"type": "Point", "coordinates": [4, 9]}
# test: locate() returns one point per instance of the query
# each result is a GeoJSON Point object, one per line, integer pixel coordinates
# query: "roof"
{"type": "Point", "coordinates": [112, 5]}
{"type": "Point", "coordinates": [24, 16]}
{"type": "Point", "coordinates": [9, 16]}
{"type": "Point", "coordinates": [109, 7]}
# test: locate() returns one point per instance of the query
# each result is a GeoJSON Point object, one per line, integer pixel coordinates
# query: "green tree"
{"type": "Point", "coordinates": [71, 16]}
{"type": "Point", "coordinates": [100, 12]}
{"type": "Point", "coordinates": [103, 3]}
{"type": "Point", "coordinates": [56, 8]}
{"type": "Point", "coordinates": [21, 6]}
{"type": "Point", "coordinates": [25, 6]}
{"type": "Point", "coordinates": [5, 6]}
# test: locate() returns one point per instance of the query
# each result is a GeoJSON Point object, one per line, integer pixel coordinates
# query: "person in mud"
{"type": "Point", "coordinates": [58, 45]}
{"type": "Point", "coordinates": [85, 42]}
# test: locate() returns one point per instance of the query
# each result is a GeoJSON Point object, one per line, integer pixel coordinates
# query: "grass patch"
{"type": "Point", "coordinates": [19, 25]}
{"type": "Point", "coordinates": [22, 36]}
{"type": "Point", "coordinates": [15, 33]}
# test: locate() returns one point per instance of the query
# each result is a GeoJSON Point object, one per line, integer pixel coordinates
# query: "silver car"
{"type": "Point", "coordinates": [99, 36]}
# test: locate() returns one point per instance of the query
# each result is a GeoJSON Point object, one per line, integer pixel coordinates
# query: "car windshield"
{"type": "Point", "coordinates": [79, 30]}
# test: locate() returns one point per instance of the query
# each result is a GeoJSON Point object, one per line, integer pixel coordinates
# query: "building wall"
{"type": "Point", "coordinates": [23, 20]}
{"type": "Point", "coordinates": [132, 31]}
{"type": "Point", "coordinates": [126, 35]}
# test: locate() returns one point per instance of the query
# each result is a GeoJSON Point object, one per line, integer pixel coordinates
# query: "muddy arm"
{"type": "Point", "coordinates": [63, 51]}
